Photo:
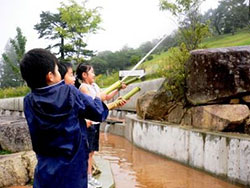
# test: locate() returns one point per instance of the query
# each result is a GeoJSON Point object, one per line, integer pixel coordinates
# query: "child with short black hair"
{"type": "Point", "coordinates": [66, 71]}
{"type": "Point", "coordinates": [55, 114]}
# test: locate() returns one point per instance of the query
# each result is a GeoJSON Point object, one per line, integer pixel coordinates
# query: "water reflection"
{"type": "Point", "coordinates": [134, 167]}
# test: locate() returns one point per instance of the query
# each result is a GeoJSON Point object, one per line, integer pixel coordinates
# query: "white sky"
{"type": "Point", "coordinates": [125, 22]}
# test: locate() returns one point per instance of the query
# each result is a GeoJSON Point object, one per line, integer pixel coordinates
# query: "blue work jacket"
{"type": "Point", "coordinates": [55, 116]}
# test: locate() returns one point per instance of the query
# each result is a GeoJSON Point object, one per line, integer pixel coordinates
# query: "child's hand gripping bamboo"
{"type": "Point", "coordinates": [122, 100]}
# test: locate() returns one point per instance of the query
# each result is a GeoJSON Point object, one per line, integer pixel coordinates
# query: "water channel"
{"type": "Point", "coordinates": [133, 167]}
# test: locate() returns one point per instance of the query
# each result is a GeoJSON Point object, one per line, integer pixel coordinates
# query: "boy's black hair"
{"type": "Point", "coordinates": [35, 65]}
{"type": "Point", "coordinates": [63, 68]}
{"type": "Point", "coordinates": [81, 68]}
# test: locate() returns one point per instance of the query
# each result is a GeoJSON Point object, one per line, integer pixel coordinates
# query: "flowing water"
{"type": "Point", "coordinates": [133, 167]}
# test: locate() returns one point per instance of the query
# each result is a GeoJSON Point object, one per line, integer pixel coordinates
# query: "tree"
{"type": "Point", "coordinates": [216, 18]}
{"type": "Point", "coordinates": [14, 52]}
{"type": "Point", "coordinates": [229, 16]}
{"type": "Point", "coordinates": [69, 28]}
{"type": "Point", "coordinates": [99, 65]}
{"type": "Point", "coordinates": [235, 12]}
{"type": "Point", "coordinates": [192, 30]}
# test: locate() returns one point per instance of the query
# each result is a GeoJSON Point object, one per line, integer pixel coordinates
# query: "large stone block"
{"type": "Point", "coordinates": [14, 134]}
{"type": "Point", "coordinates": [216, 74]}
{"type": "Point", "coordinates": [17, 169]}
{"type": "Point", "coordinates": [219, 117]}
{"type": "Point", "coordinates": [145, 86]}
{"type": "Point", "coordinates": [154, 105]}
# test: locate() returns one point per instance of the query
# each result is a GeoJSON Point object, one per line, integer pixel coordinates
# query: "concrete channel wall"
{"type": "Point", "coordinates": [222, 154]}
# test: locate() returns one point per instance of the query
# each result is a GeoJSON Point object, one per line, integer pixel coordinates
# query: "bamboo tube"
{"type": "Point", "coordinates": [114, 86]}
{"type": "Point", "coordinates": [131, 93]}
{"type": "Point", "coordinates": [127, 96]}
{"type": "Point", "coordinates": [131, 80]}
{"type": "Point", "coordinates": [118, 85]}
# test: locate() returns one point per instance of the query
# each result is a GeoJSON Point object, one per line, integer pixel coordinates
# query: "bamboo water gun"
{"type": "Point", "coordinates": [118, 84]}
{"type": "Point", "coordinates": [127, 96]}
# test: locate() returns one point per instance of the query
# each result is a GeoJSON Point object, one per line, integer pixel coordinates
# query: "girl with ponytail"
{"type": "Point", "coordinates": [85, 81]}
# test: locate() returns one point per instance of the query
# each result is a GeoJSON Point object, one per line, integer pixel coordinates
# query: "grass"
{"type": "Point", "coordinates": [241, 38]}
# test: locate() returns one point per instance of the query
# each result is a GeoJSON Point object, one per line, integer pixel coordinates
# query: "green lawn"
{"type": "Point", "coordinates": [239, 39]}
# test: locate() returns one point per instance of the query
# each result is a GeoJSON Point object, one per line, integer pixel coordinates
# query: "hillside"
{"type": "Point", "coordinates": [241, 38]}
{"type": "Point", "coordinates": [156, 67]}
{"type": "Point", "coordinates": [152, 67]}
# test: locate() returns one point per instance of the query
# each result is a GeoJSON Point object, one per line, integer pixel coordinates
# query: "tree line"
{"type": "Point", "coordinates": [68, 28]}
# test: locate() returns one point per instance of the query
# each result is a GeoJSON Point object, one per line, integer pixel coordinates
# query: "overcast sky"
{"type": "Point", "coordinates": [125, 22]}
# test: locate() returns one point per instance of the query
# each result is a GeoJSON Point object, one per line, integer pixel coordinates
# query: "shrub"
{"type": "Point", "coordinates": [174, 70]}
{"type": "Point", "coordinates": [14, 92]}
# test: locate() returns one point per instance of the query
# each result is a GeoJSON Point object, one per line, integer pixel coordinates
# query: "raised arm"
{"type": "Point", "coordinates": [115, 92]}
{"type": "Point", "coordinates": [92, 109]}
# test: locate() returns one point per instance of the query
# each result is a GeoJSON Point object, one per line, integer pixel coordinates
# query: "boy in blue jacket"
{"type": "Point", "coordinates": [55, 114]}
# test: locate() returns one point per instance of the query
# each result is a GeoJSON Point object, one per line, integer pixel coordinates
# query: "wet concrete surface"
{"type": "Point", "coordinates": [136, 168]}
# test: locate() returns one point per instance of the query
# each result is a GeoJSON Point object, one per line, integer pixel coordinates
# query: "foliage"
{"type": "Point", "coordinates": [229, 16]}
{"type": "Point", "coordinates": [69, 28]}
{"type": "Point", "coordinates": [169, 65]}
{"type": "Point", "coordinates": [10, 75]}
{"type": "Point", "coordinates": [106, 62]}
{"type": "Point", "coordinates": [157, 67]}
{"type": "Point", "coordinates": [192, 30]}
{"type": "Point", "coordinates": [104, 81]}
{"type": "Point", "coordinates": [135, 59]}
{"type": "Point", "coordinates": [235, 12]}
{"type": "Point", "coordinates": [14, 92]}
{"type": "Point", "coordinates": [180, 7]}
{"type": "Point", "coordinates": [174, 70]}
{"type": "Point", "coordinates": [169, 42]}
{"type": "Point", "coordinates": [193, 36]}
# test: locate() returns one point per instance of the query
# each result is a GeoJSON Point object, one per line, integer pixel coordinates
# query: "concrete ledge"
{"type": "Point", "coordinates": [116, 128]}
{"type": "Point", "coordinates": [106, 177]}
{"type": "Point", "coordinates": [12, 104]}
{"type": "Point", "coordinates": [224, 155]}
